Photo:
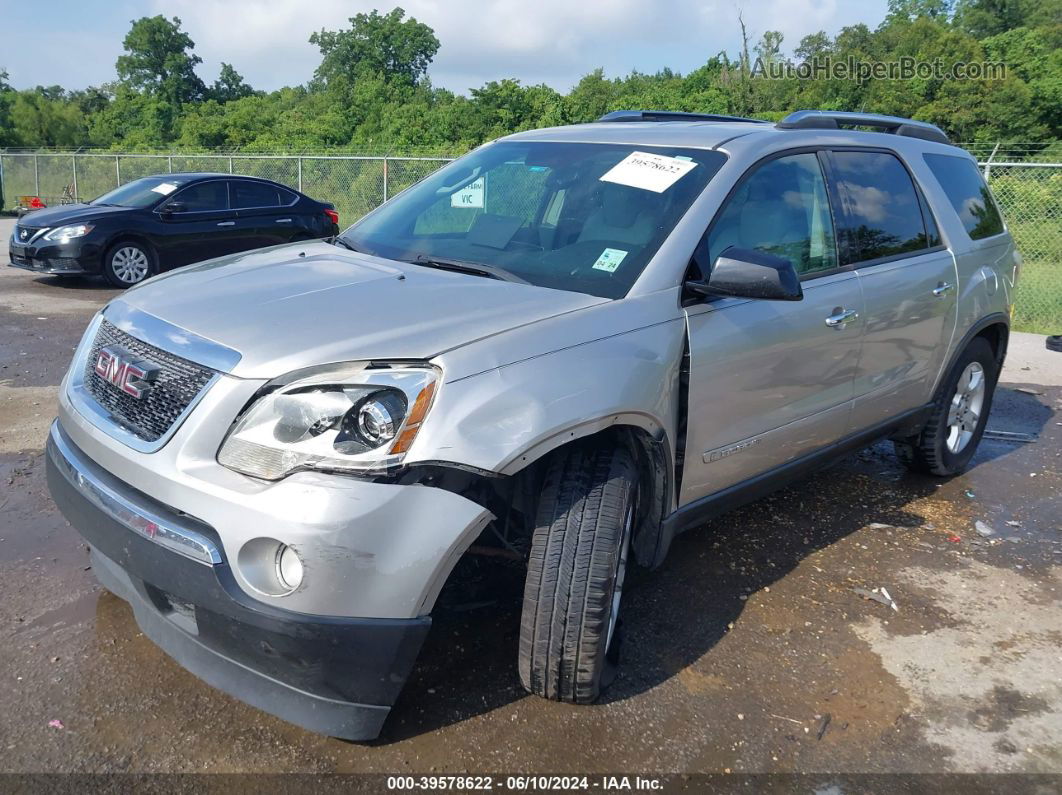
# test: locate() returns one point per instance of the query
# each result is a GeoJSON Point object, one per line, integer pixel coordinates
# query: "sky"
{"type": "Point", "coordinates": [76, 43]}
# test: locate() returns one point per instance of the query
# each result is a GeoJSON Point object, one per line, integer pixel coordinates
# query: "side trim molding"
{"type": "Point", "coordinates": [700, 511]}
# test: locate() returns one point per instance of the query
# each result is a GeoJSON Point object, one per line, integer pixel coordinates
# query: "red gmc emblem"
{"type": "Point", "coordinates": [122, 369]}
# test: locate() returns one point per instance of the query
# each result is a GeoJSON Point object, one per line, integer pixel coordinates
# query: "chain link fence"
{"type": "Point", "coordinates": [354, 183]}
{"type": "Point", "coordinates": [1028, 189]}
{"type": "Point", "coordinates": [1030, 195]}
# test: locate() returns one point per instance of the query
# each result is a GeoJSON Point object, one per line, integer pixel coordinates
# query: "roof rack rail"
{"type": "Point", "coordinates": [834, 120]}
{"type": "Point", "coordinates": [669, 115]}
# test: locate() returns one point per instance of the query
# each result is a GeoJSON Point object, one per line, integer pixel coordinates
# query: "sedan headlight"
{"type": "Point", "coordinates": [61, 234]}
{"type": "Point", "coordinates": [359, 417]}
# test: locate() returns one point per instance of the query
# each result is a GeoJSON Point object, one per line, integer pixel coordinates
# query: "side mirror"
{"type": "Point", "coordinates": [169, 208]}
{"type": "Point", "coordinates": [745, 273]}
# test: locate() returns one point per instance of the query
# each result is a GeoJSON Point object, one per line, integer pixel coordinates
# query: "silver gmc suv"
{"type": "Point", "coordinates": [569, 345]}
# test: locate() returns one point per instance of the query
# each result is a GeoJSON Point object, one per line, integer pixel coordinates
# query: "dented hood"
{"type": "Point", "coordinates": [305, 304]}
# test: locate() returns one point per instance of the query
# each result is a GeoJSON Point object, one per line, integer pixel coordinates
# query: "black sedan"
{"type": "Point", "coordinates": [162, 222]}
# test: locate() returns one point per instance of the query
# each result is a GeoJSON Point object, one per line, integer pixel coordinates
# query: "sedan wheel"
{"type": "Point", "coordinates": [128, 264]}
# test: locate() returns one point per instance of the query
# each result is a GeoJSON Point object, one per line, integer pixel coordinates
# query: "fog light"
{"type": "Point", "coordinates": [270, 566]}
{"type": "Point", "coordinates": [289, 567]}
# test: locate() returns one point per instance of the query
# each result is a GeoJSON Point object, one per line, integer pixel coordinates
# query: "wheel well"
{"type": "Point", "coordinates": [127, 237]}
{"type": "Point", "coordinates": [654, 475]}
{"type": "Point", "coordinates": [997, 336]}
{"type": "Point", "coordinates": [513, 498]}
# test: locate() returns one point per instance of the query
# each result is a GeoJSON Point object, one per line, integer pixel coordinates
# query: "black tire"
{"type": "Point", "coordinates": [579, 551]}
{"type": "Point", "coordinates": [929, 451]}
{"type": "Point", "coordinates": [113, 271]}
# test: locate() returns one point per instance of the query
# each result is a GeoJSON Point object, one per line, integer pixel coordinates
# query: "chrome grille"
{"type": "Point", "coordinates": [150, 417]}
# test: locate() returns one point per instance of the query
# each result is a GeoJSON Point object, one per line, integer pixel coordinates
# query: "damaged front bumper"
{"type": "Point", "coordinates": [333, 674]}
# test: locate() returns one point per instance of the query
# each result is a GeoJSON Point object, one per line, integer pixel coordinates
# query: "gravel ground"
{"type": "Point", "coordinates": [748, 651]}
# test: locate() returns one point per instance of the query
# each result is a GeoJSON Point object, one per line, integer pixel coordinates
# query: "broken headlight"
{"type": "Point", "coordinates": [355, 418]}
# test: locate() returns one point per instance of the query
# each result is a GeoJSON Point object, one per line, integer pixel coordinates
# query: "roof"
{"type": "Point", "coordinates": [693, 134]}
{"type": "Point", "coordinates": [801, 128]}
{"type": "Point", "coordinates": [188, 175]}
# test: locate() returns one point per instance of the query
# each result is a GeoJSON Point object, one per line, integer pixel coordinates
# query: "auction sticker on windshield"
{"type": "Point", "coordinates": [165, 188]}
{"type": "Point", "coordinates": [610, 259]}
{"type": "Point", "coordinates": [648, 171]}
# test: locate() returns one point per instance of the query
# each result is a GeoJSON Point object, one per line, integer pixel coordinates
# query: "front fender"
{"type": "Point", "coordinates": [505, 418]}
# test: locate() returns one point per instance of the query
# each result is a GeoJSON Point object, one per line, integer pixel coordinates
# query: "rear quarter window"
{"type": "Point", "coordinates": [968, 194]}
{"type": "Point", "coordinates": [248, 195]}
{"type": "Point", "coordinates": [882, 212]}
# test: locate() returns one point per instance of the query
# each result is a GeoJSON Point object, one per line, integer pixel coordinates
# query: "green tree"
{"type": "Point", "coordinates": [43, 117]}
{"type": "Point", "coordinates": [7, 97]}
{"type": "Point", "coordinates": [159, 61]}
{"type": "Point", "coordinates": [230, 85]}
{"type": "Point", "coordinates": [384, 45]}
{"type": "Point", "coordinates": [984, 18]}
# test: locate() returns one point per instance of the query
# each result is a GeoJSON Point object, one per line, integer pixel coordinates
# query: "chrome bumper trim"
{"type": "Point", "coordinates": [139, 519]}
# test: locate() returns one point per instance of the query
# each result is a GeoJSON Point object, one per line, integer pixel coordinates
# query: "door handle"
{"type": "Point", "coordinates": [227, 223]}
{"type": "Point", "coordinates": [283, 221]}
{"type": "Point", "coordinates": [943, 288]}
{"type": "Point", "coordinates": [840, 317]}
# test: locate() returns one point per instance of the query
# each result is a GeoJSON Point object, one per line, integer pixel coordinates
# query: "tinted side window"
{"type": "Point", "coordinates": [781, 208]}
{"type": "Point", "coordinates": [968, 194]}
{"type": "Point", "coordinates": [204, 196]}
{"type": "Point", "coordinates": [883, 214]}
{"type": "Point", "coordinates": [254, 194]}
{"type": "Point", "coordinates": [932, 231]}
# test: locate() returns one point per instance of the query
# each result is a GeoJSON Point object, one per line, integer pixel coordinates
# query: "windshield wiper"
{"type": "Point", "coordinates": [472, 268]}
{"type": "Point", "coordinates": [338, 241]}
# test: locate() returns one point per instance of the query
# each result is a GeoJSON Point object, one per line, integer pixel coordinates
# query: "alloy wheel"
{"type": "Point", "coordinates": [130, 264]}
{"type": "Point", "coordinates": [964, 413]}
{"type": "Point", "coordinates": [621, 572]}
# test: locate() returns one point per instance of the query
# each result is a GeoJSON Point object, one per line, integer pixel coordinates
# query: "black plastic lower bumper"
{"type": "Point", "coordinates": [336, 676]}
{"type": "Point", "coordinates": [71, 259]}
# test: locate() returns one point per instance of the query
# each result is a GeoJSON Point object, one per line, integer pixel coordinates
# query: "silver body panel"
{"type": "Point", "coordinates": [527, 369]}
{"type": "Point", "coordinates": [772, 371]}
{"type": "Point", "coordinates": [370, 550]}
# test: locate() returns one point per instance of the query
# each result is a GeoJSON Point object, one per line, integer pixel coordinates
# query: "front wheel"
{"type": "Point", "coordinates": [960, 413]}
{"type": "Point", "coordinates": [128, 263]}
{"type": "Point", "coordinates": [579, 556]}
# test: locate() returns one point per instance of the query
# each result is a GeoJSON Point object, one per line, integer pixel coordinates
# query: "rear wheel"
{"type": "Point", "coordinates": [128, 263]}
{"type": "Point", "coordinates": [960, 413]}
{"type": "Point", "coordinates": [569, 632]}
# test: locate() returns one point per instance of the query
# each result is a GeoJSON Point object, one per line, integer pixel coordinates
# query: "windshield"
{"type": "Point", "coordinates": [573, 216]}
{"type": "Point", "coordinates": [140, 192]}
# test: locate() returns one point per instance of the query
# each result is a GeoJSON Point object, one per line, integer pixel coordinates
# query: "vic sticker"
{"type": "Point", "coordinates": [470, 196]}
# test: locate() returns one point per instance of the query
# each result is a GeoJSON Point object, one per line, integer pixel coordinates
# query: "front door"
{"type": "Point", "coordinates": [200, 225]}
{"type": "Point", "coordinates": [772, 380]}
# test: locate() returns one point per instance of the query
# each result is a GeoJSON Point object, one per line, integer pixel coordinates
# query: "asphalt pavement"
{"type": "Point", "coordinates": [750, 650]}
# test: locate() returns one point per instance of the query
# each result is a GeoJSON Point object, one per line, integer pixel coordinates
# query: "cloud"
{"type": "Point", "coordinates": [551, 41]}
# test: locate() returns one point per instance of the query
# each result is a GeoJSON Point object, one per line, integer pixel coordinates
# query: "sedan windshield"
{"type": "Point", "coordinates": [572, 216]}
{"type": "Point", "coordinates": [140, 192]}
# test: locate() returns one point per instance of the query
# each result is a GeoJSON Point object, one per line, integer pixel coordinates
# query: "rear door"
{"type": "Point", "coordinates": [771, 381]}
{"type": "Point", "coordinates": [265, 215]}
{"type": "Point", "coordinates": [888, 233]}
{"type": "Point", "coordinates": [201, 226]}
